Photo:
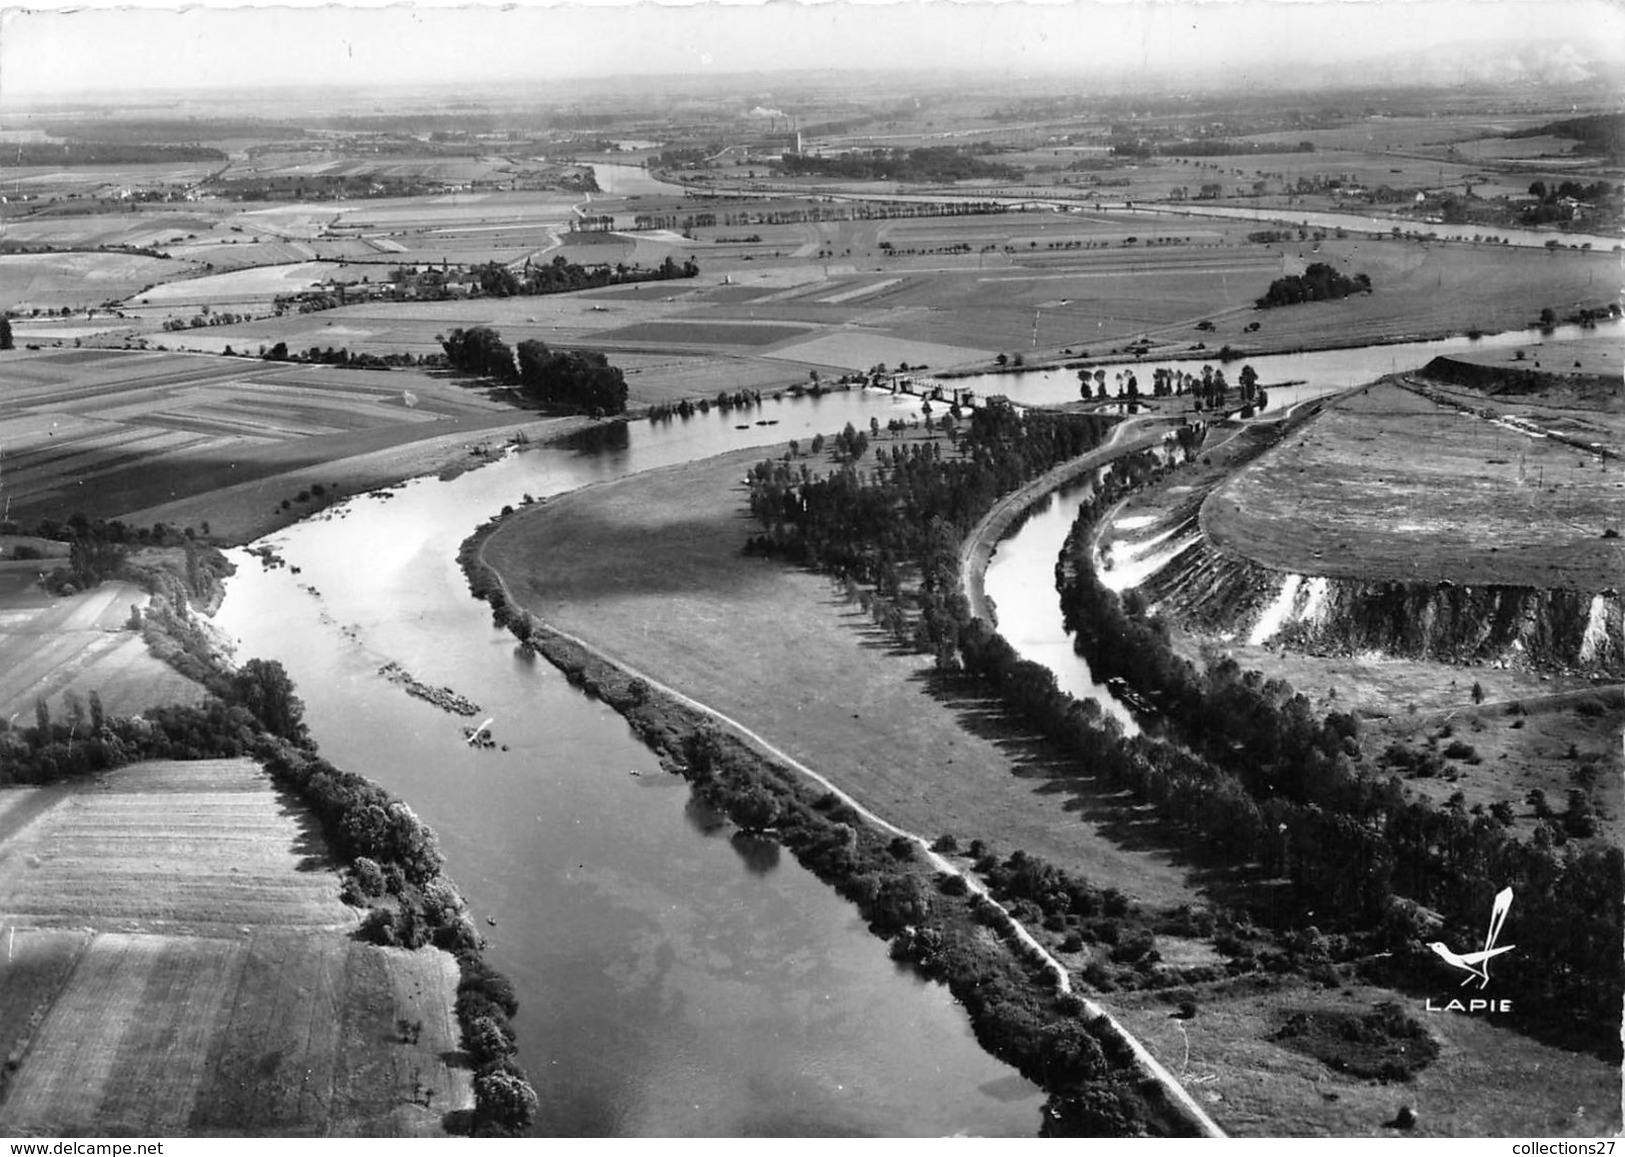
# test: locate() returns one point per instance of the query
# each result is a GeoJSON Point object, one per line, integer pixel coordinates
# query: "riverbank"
{"type": "Point", "coordinates": [739, 770]}
{"type": "Point", "coordinates": [976, 552]}
{"type": "Point", "coordinates": [650, 569]}
{"type": "Point", "coordinates": [237, 515]}
{"type": "Point", "coordinates": [135, 873]}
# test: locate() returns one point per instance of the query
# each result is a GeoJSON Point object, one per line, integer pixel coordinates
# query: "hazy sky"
{"type": "Point", "coordinates": [154, 46]}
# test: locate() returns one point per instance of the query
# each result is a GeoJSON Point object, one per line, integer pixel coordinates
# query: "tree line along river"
{"type": "Point", "coordinates": [673, 980]}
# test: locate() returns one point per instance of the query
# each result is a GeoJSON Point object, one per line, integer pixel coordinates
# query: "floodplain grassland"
{"type": "Point", "coordinates": [178, 962]}
{"type": "Point", "coordinates": [1389, 485]}
{"type": "Point", "coordinates": [650, 569]}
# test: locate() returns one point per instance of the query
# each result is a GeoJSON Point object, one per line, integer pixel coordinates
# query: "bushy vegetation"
{"type": "Point", "coordinates": [99, 551]}
{"type": "Point", "coordinates": [1384, 1044]}
{"type": "Point", "coordinates": [1320, 282]}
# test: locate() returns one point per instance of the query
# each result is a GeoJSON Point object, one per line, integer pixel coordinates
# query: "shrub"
{"type": "Point", "coordinates": [379, 927]}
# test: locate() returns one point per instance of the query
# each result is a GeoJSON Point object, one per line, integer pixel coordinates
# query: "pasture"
{"type": "Point", "coordinates": [178, 962]}
{"type": "Point", "coordinates": [1388, 485]}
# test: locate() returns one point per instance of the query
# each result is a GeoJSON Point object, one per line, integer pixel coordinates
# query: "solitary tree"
{"type": "Point", "coordinates": [503, 1104]}
{"type": "Point", "coordinates": [5, 334]}
{"type": "Point", "coordinates": [263, 686]}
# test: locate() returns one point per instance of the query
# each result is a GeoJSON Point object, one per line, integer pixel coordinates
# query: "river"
{"type": "Point", "coordinates": [1020, 576]}
{"type": "Point", "coordinates": [633, 181]}
{"type": "Point", "coordinates": [673, 981]}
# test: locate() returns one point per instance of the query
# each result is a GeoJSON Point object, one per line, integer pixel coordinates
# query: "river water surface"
{"type": "Point", "coordinates": [673, 981]}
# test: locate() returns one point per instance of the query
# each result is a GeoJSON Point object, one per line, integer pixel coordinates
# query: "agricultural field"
{"type": "Point", "coordinates": [63, 648]}
{"type": "Point", "coordinates": [148, 226]}
{"type": "Point", "coordinates": [106, 181]}
{"type": "Point", "coordinates": [1389, 485]}
{"type": "Point", "coordinates": [107, 432]}
{"type": "Point", "coordinates": [236, 288]}
{"type": "Point", "coordinates": [1052, 284]}
{"type": "Point", "coordinates": [178, 962]}
{"type": "Point", "coordinates": [75, 280]}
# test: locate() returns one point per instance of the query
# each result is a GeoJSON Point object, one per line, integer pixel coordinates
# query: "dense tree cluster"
{"type": "Point", "coordinates": [318, 356]}
{"type": "Point", "coordinates": [1603, 133]}
{"type": "Point", "coordinates": [1210, 388]}
{"type": "Point", "coordinates": [685, 408]}
{"type": "Point", "coordinates": [914, 503]}
{"type": "Point", "coordinates": [575, 380]}
{"type": "Point", "coordinates": [480, 350]}
{"type": "Point", "coordinates": [564, 276]}
{"type": "Point", "coordinates": [936, 164]}
{"type": "Point", "coordinates": [58, 154]}
{"type": "Point", "coordinates": [1557, 202]}
{"type": "Point", "coordinates": [1320, 282]}
{"type": "Point", "coordinates": [798, 213]}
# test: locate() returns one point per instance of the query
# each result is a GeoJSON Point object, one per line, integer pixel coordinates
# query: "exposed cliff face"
{"type": "Point", "coordinates": [1521, 626]}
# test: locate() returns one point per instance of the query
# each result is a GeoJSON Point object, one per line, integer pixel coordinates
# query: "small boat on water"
{"type": "Point", "coordinates": [480, 736]}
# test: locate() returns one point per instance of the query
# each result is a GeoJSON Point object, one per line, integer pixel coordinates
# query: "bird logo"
{"type": "Point", "coordinates": [1477, 964]}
